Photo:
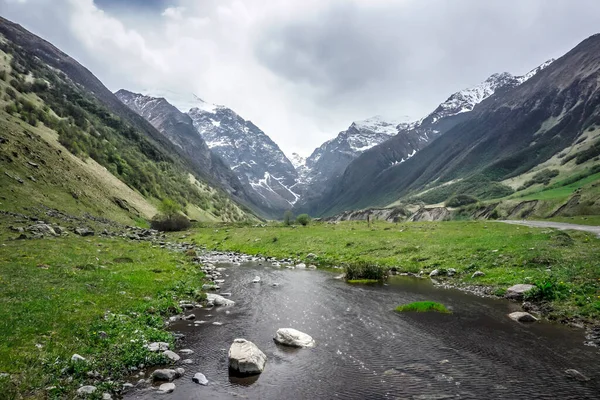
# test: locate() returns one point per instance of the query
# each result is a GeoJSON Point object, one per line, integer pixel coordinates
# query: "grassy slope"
{"type": "Point", "coordinates": [54, 293]}
{"type": "Point", "coordinates": [506, 254]}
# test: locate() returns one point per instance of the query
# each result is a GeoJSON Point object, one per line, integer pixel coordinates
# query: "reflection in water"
{"type": "Point", "coordinates": [366, 350]}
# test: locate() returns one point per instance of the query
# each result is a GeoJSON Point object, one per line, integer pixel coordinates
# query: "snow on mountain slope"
{"type": "Point", "coordinates": [248, 151]}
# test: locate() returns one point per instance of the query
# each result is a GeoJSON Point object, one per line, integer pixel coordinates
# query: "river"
{"type": "Point", "coordinates": [365, 350]}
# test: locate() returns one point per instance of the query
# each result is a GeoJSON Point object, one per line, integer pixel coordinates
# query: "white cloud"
{"type": "Point", "coordinates": [302, 70]}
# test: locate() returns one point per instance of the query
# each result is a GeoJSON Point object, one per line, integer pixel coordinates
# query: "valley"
{"type": "Point", "coordinates": [142, 235]}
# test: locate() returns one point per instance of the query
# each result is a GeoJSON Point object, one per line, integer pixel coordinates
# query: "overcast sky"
{"type": "Point", "coordinates": [303, 70]}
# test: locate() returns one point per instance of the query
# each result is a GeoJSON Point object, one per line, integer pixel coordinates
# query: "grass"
{"type": "Point", "coordinates": [363, 281]}
{"type": "Point", "coordinates": [423, 306]}
{"type": "Point", "coordinates": [560, 191]}
{"type": "Point", "coordinates": [507, 254]}
{"type": "Point", "coordinates": [58, 295]}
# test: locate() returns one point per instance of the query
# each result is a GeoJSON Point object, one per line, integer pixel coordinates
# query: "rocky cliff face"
{"type": "Point", "coordinates": [249, 152]}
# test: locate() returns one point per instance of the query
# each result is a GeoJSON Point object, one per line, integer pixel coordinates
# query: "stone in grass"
{"type": "Point", "coordinates": [477, 274]}
{"type": "Point", "coordinates": [171, 355]}
{"type": "Point", "coordinates": [166, 388]}
{"type": "Point", "coordinates": [200, 379]}
{"type": "Point", "coordinates": [86, 390]}
{"type": "Point", "coordinates": [578, 376]}
{"type": "Point", "coordinates": [517, 291]}
{"type": "Point", "coordinates": [521, 316]}
{"type": "Point", "coordinates": [164, 375]}
{"type": "Point", "coordinates": [77, 358]}
{"type": "Point", "coordinates": [157, 346]}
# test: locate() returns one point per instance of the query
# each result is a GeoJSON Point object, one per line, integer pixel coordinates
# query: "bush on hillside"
{"type": "Point", "coordinates": [544, 177]}
{"type": "Point", "coordinates": [461, 200]}
{"type": "Point", "coordinates": [170, 218]}
{"type": "Point", "coordinates": [303, 219]}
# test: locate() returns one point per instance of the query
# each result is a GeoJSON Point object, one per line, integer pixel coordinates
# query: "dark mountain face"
{"type": "Point", "coordinates": [178, 128]}
{"type": "Point", "coordinates": [255, 159]}
{"type": "Point", "coordinates": [91, 123]}
{"type": "Point", "coordinates": [508, 133]}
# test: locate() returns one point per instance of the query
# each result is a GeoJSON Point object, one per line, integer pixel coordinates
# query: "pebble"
{"type": "Point", "coordinates": [166, 388]}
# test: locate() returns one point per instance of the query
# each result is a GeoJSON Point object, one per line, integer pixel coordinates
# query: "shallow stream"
{"type": "Point", "coordinates": [366, 350]}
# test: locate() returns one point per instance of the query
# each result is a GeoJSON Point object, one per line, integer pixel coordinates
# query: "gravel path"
{"type": "Point", "coordinates": [557, 225]}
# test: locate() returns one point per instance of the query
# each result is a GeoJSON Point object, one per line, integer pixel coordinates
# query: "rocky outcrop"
{"type": "Point", "coordinates": [431, 214]}
{"type": "Point", "coordinates": [294, 338]}
{"type": "Point", "coordinates": [245, 358]}
{"type": "Point", "coordinates": [373, 214]}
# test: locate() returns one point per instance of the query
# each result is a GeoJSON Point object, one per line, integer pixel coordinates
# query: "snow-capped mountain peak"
{"type": "Point", "coordinates": [203, 105]}
{"type": "Point", "coordinates": [379, 124]}
{"type": "Point", "coordinates": [297, 160]}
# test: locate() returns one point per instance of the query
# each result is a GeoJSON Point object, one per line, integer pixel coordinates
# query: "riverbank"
{"type": "Point", "coordinates": [102, 296]}
{"type": "Point", "coordinates": [562, 265]}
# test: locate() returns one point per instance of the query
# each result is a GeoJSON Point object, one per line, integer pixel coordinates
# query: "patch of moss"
{"type": "Point", "coordinates": [423, 306]}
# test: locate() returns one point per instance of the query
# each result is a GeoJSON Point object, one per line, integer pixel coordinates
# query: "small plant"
{"type": "Point", "coordinates": [423, 306]}
{"type": "Point", "coordinates": [546, 290]}
{"type": "Point", "coordinates": [303, 219]}
{"type": "Point", "coordinates": [288, 218]}
{"type": "Point", "coordinates": [364, 270]}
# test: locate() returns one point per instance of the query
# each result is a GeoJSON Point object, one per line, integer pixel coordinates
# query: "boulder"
{"type": "Point", "coordinates": [433, 273]}
{"type": "Point", "coordinates": [451, 271]}
{"type": "Point", "coordinates": [171, 355]}
{"type": "Point", "coordinates": [578, 376]}
{"type": "Point", "coordinates": [157, 346]}
{"type": "Point", "coordinates": [294, 338]}
{"type": "Point", "coordinates": [301, 266]}
{"type": "Point", "coordinates": [84, 232]}
{"type": "Point", "coordinates": [164, 375]}
{"type": "Point", "coordinates": [517, 291]}
{"type": "Point", "coordinates": [166, 388]}
{"type": "Point", "coordinates": [180, 372]}
{"type": "Point", "coordinates": [521, 316]}
{"type": "Point", "coordinates": [200, 379]}
{"type": "Point", "coordinates": [43, 229]}
{"type": "Point", "coordinates": [245, 358]}
{"type": "Point", "coordinates": [86, 390]}
{"type": "Point", "coordinates": [219, 300]}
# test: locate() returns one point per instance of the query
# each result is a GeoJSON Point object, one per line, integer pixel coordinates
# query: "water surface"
{"type": "Point", "coordinates": [366, 350]}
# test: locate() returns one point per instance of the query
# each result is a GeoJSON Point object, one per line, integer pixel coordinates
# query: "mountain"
{"type": "Point", "coordinates": [331, 159]}
{"type": "Point", "coordinates": [249, 152]}
{"type": "Point", "coordinates": [179, 129]}
{"type": "Point", "coordinates": [82, 149]}
{"type": "Point", "coordinates": [396, 168]}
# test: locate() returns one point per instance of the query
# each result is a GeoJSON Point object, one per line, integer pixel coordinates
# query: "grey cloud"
{"type": "Point", "coordinates": [390, 54]}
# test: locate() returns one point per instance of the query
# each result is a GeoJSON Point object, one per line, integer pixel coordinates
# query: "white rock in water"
{"type": "Point", "coordinates": [294, 338]}
{"type": "Point", "coordinates": [164, 375]}
{"type": "Point", "coordinates": [171, 355]}
{"type": "Point", "coordinates": [521, 316]}
{"type": "Point", "coordinates": [166, 388]}
{"type": "Point", "coordinates": [218, 300]}
{"type": "Point", "coordinates": [301, 266]}
{"type": "Point", "coordinates": [256, 279]}
{"type": "Point", "coordinates": [200, 379]}
{"type": "Point", "coordinates": [246, 358]}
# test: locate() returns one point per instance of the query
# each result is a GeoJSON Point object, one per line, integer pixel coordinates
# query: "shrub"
{"type": "Point", "coordinates": [364, 270]}
{"type": "Point", "coordinates": [303, 219]}
{"type": "Point", "coordinates": [11, 92]}
{"type": "Point", "coordinates": [546, 290]}
{"type": "Point", "coordinates": [461, 200]}
{"type": "Point", "coordinates": [171, 223]}
{"type": "Point", "coordinates": [3, 75]}
{"type": "Point", "coordinates": [288, 218]}
{"type": "Point", "coordinates": [543, 177]}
